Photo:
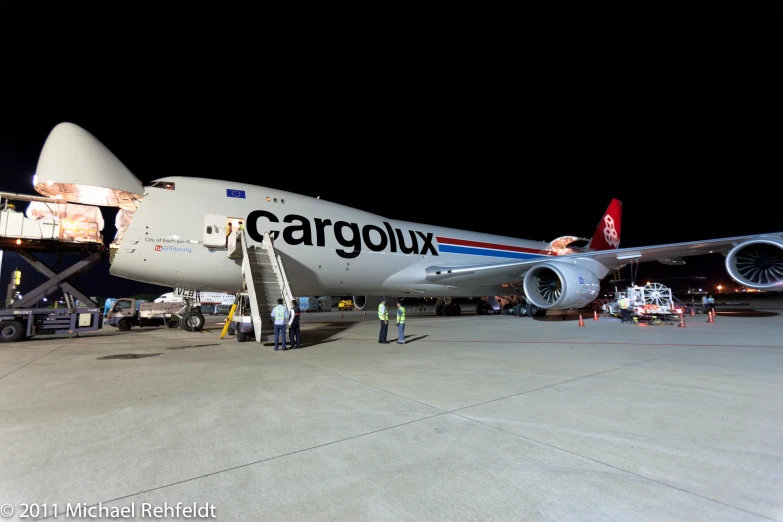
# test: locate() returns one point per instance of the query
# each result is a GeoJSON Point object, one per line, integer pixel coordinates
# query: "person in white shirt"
{"type": "Point", "coordinates": [383, 315]}
{"type": "Point", "coordinates": [280, 315]}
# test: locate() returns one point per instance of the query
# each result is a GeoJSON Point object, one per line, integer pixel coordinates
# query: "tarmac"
{"type": "Point", "coordinates": [474, 418]}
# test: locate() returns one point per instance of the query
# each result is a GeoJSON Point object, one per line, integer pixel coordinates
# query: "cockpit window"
{"type": "Point", "coordinates": [168, 185]}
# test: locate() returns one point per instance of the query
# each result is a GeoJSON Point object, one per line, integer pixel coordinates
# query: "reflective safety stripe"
{"type": "Point", "coordinates": [279, 313]}
{"type": "Point", "coordinates": [383, 313]}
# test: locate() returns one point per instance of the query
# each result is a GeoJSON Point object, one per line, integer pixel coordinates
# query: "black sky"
{"type": "Point", "coordinates": [526, 137]}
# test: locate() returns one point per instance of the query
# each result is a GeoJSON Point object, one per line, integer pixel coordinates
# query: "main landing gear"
{"type": "Point", "coordinates": [444, 306]}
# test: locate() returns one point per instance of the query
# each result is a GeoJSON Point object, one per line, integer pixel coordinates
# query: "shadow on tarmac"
{"type": "Point", "coordinates": [322, 333]}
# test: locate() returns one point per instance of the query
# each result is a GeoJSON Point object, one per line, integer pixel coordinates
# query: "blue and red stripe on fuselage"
{"type": "Point", "coordinates": [480, 248]}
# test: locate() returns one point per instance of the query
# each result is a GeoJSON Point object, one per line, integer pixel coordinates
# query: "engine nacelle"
{"type": "Point", "coordinates": [557, 286]}
{"type": "Point", "coordinates": [757, 264]}
{"type": "Point", "coordinates": [371, 302]}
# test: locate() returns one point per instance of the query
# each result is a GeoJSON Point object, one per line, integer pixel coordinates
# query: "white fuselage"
{"type": "Point", "coordinates": [326, 248]}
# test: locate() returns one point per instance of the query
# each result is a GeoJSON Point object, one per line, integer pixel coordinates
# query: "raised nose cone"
{"type": "Point", "coordinates": [76, 167]}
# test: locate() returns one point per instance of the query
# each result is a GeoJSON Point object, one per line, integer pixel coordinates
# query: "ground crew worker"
{"type": "Point", "coordinates": [240, 228]}
{"type": "Point", "coordinates": [400, 323]}
{"type": "Point", "coordinates": [383, 315]}
{"type": "Point", "coordinates": [711, 304]}
{"type": "Point", "coordinates": [624, 313]}
{"type": "Point", "coordinates": [293, 324]}
{"type": "Point", "coordinates": [280, 315]}
{"type": "Point", "coordinates": [228, 233]}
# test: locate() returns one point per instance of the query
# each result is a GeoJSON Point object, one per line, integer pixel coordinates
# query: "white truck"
{"type": "Point", "coordinates": [126, 313]}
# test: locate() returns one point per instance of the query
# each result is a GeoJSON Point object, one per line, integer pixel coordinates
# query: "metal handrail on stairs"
{"type": "Point", "coordinates": [277, 266]}
{"type": "Point", "coordinates": [251, 290]}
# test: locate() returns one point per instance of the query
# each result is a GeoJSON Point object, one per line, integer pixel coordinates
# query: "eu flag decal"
{"type": "Point", "coordinates": [235, 193]}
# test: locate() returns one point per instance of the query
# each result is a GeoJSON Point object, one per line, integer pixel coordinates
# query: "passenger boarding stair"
{"type": "Point", "coordinates": [264, 277]}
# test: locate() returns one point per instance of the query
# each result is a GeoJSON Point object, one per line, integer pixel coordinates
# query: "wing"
{"type": "Point", "coordinates": [499, 273]}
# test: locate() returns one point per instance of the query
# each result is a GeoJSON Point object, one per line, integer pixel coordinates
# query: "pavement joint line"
{"type": "Point", "coordinates": [644, 477]}
{"type": "Point", "coordinates": [261, 461]}
{"type": "Point", "coordinates": [41, 357]}
{"type": "Point", "coordinates": [454, 412]}
{"type": "Point", "coordinates": [443, 412]}
{"type": "Point", "coordinates": [575, 379]}
{"type": "Point", "coordinates": [583, 342]}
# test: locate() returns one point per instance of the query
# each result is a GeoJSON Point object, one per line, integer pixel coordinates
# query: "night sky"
{"type": "Point", "coordinates": [512, 139]}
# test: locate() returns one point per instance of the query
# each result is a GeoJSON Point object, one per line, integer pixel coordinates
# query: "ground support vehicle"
{"type": "Point", "coordinates": [241, 323]}
{"type": "Point", "coordinates": [128, 312]}
{"type": "Point", "coordinates": [17, 324]}
{"type": "Point", "coordinates": [651, 302]}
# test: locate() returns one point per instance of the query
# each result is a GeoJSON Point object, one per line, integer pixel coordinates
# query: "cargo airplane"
{"type": "Point", "coordinates": [172, 233]}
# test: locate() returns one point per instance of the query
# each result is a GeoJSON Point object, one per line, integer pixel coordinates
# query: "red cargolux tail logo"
{"type": "Point", "coordinates": [607, 235]}
{"type": "Point", "coordinates": [158, 248]}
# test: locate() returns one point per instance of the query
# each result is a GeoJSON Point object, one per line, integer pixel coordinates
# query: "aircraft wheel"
{"type": "Point", "coordinates": [173, 323]}
{"type": "Point", "coordinates": [231, 330]}
{"type": "Point", "coordinates": [457, 310]}
{"type": "Point", "coordinates": [10, 331]}
{"type": "Point", "coordinates": [241, 337]}
{"type": "Point", "coordinates": [534, 311]}
{"type": "Point", "coordinates": [124, 325]}
{"type": "Point", "coordinates": [440, 309]}
{"type": "Point", "coordinates": [194, 322]}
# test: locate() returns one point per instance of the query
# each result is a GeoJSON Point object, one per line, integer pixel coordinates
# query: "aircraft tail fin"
{"type": "Point", "coordinates": [607, 235]}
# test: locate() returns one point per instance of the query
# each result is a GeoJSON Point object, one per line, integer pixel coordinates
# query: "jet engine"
{"type": "Point", "coordinates": [757, 264]}
{"type": "Point", "coordinates": [364, 302]}
{"type": "Point", "coordinates": [559, 285]}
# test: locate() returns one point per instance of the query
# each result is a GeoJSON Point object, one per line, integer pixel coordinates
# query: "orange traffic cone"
{"type": "Point", "coordinates": [581, 322]}
{"type": "Point", "coordinates": [365, 313]}
{"type": "Point", "coordinates": [341, 315]}
{"type": "Point", "coordinates": [709, 317]}
{"type": "Point", "coordinates": [693, 311]}
{"type": "Point", "coordinates": [682, 321]}
{"type": "Point", "coordinates": [595, 315]}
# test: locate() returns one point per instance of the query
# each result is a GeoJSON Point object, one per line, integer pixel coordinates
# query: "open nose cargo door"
{"type": "Point", "coordinates": [74, 166]}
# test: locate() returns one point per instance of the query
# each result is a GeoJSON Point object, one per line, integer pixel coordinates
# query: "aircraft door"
{"type": "Point", "coordinates": [215, 230]}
